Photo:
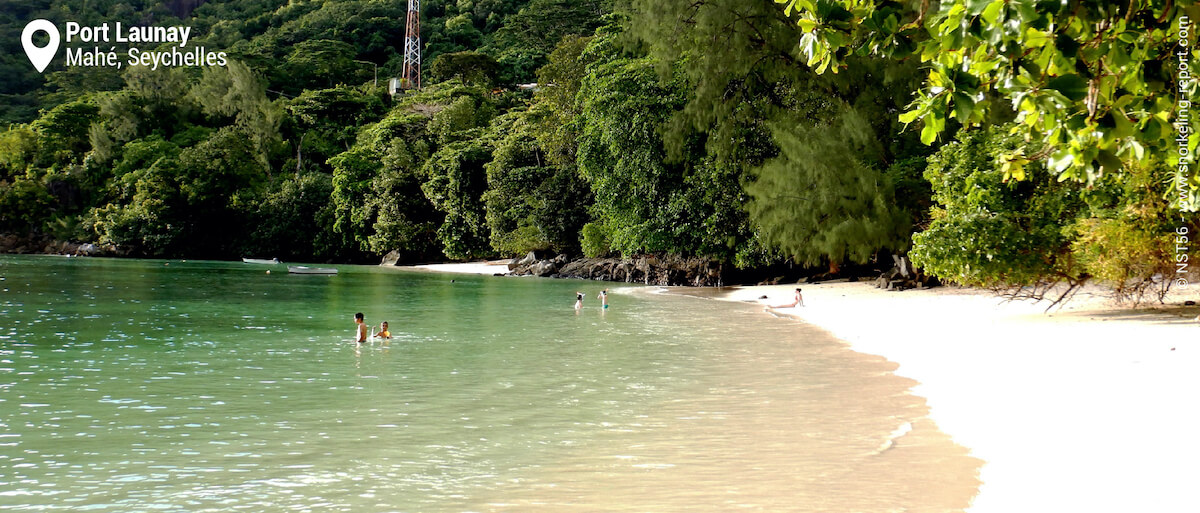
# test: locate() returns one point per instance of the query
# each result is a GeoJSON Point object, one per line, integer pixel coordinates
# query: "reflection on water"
{"type": "Point", "coordinates": [134, 385]}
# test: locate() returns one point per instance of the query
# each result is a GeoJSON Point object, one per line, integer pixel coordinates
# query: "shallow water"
{"type": "Point", "coordinates": [192, 386]}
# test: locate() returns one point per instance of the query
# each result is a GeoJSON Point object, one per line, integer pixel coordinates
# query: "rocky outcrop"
{"type": "Point", "coordinates": [648, 269]}
{"type": "Point", "coordinates": [903, 276]}
{"type": "Point", "coordinates": [33, 245]}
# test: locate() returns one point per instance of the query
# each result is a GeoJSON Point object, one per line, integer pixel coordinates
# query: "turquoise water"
{"type": "Point", "coordinates": [215, 386]}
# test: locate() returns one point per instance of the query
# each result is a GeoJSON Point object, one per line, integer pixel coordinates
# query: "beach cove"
{"type": "Point", "coordinates": [184, 385]}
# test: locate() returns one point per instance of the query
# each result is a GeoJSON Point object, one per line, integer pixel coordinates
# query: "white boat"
{"type": "Point", "coordinates": [300, 269]}
{"type": "Point", "coordinates": [272, 261]}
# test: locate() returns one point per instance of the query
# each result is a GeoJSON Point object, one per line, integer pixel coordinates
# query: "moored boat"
{"type": "Point", "coordinates": [272, 261]}
{"type": "Point", "coordinates": [300, 269]}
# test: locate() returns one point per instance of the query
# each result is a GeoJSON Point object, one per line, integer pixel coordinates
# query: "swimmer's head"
{"type": "Point", "coordinates": [358, 316]}
{"type": "Point", "coordinates": [385, 325]}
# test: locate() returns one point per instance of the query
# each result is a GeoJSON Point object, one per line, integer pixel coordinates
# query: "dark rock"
{"type": "Point", "coordinates": [529, 259]}
{"type": "Point", "coordinates": [390, 258]}
{"type": "Point", "coordinates": [651, 270]}
{"type": "Point", "coordinates": [543, 268]}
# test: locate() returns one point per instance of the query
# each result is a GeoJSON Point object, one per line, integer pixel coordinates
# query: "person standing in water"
{"type": "Point", "coordinates": [361, 328]}
{"type": "Point", "coordinates": [578, 300]}
{"type": "Point", "coordinates": [383, 331]}
{"type": "Point", "coordinates": [603, 297]}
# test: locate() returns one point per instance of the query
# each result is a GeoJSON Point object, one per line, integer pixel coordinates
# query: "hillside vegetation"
{"type": "Point", "coordinates": [751, 133]}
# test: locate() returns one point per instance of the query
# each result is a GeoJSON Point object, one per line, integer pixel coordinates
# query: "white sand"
{"type": "Point", "coordinates": [481, 267]}
{"type": "Point", "coordinates": [1087, 409]}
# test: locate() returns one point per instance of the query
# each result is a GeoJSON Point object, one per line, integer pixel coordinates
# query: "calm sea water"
{"type": "Point", "coordinates": [214, 386]}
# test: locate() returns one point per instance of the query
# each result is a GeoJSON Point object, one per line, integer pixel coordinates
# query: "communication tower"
{"type": "Point", "coordinates": [411, 79]}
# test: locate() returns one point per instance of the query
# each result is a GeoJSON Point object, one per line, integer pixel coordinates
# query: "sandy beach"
{"type": "Point", "coordinates": [1088, 408]}
{"type": "Point", "coordinates": [481, 267]}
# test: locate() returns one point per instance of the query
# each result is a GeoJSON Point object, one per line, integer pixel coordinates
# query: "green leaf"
{"type": "Point", "coordinates": [992, 12]}
{"type": "Point", "coordinates": [1035, 38]}
{"type": "Point", "coordinates": [963, 105]}
{"type": "Point", "coordinates": [1060, 160]}
{"type": "Point", "coordinates": [977, 6]}
{"type": "Point", "coordinates": [1074, 87]}
{"type": "Point", "coordinates": [929, 133]}
{"type": "Point", "coordinates": [1109, 163]}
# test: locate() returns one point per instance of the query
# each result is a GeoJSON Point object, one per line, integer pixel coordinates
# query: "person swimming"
{"type": "Point", "coordinates": [603, 297]}
{"type": "Point", "coordinates": [578, 300]}
{"type": "Point", "coordinates": [383, 331]}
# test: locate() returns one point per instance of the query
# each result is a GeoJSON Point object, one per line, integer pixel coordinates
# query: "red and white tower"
{"type": "Point", "coordinates": [412, 47]}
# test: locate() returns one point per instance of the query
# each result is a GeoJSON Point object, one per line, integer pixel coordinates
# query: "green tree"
{"type": "Point", "coordinates": [524, 41]}
{"type": "Point", "coordinates": [319, 63]}
{"type": "Point", "coordinates": [63, 130]}
{"type": "Point", "coordinates": [1093, 83]}
{"type": "Point", "coordinates": [556, 103]}
{"type": "Point", "coordinates": [25, 205]}
{"type": "Point", "coordinates": [404, 220]}
{"type": "Point", "coordinates": [531, 204]}
{"type": "Point", "coordinates": [455, 182]}
{"type": "Point", "coordinates": [1128, 240]}
{"type": "Point", "coordinates": [989, 230]}
{"type": "Point", "coordinates": [18, 149]}
{"type": "Point", "coordinates": [237, 92]}
{"type": "Point", "coordinates": [326, 122]}
{"type": "Point", "coordinates": [145, 218]}
{"type": "Point", "coordinates": [824, 199]}
{"type": "Point", "coordinates": [352, 173]}
{"type": "Point", "coordinates": [469, 67]}
{"type": "Point", "coordinates": [181, 202]}
{"type": "Point", "coordinates": [293, 220]}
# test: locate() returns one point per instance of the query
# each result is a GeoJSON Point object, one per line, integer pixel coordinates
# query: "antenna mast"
{"type": "Point", "coordinates": [411, 79]}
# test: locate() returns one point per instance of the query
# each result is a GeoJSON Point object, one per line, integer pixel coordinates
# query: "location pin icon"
{"type": "Point", "coordinates": [40, 57]}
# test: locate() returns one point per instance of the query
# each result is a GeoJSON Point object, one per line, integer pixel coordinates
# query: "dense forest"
{"type": "Point", "coordinates": [998, 143]}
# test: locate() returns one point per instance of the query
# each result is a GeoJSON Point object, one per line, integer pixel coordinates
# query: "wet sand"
{"type": "Point", "coordinates": [1087, 408]}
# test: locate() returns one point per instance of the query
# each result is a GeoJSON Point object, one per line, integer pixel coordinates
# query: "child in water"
{"type": "Point", "coordinates": [383, 331]}
{"type": "Point", "coordinates": [361, 328]}
{"type": "Point", "coordinates": [578, 300]}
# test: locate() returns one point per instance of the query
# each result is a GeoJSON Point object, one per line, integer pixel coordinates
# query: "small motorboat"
{"type": "Point", "coordinates": [273, 261]}
{"type": "Point", "coordinates": [300, 269]}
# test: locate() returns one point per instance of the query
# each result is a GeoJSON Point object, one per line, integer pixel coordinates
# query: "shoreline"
{"type": "Point", "coordinates": [485, 267]}
{"type": "Point", "coordinates": [1087, 408]}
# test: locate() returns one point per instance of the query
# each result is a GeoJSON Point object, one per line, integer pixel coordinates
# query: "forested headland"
{"type": "Point", "coordinates": [998, 143]}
